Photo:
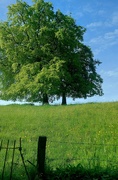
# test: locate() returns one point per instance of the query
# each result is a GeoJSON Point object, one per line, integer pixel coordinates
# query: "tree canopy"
{"type": "Point", "coordinates": [43, 57]}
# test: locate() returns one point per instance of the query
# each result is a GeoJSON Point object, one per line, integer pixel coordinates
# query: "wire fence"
{"type": "Point", "coordinates": [58, 153]}
{"type": "Point", "coordinates": [86, 153]}
{"type": "Point", "coordinates": [11, 156]}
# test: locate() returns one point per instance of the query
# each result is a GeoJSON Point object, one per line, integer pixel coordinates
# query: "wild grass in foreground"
{"type": "Point", "coordinates": [68, 172]}
{"type": "Point", "coordinates": [85, 134]}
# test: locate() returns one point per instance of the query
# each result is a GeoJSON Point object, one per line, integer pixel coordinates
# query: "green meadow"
{"type": "Point", "coordinates": [85, 134]}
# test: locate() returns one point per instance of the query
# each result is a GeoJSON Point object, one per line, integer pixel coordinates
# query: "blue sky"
{"type": "Point", "coordinates": [100, 18]}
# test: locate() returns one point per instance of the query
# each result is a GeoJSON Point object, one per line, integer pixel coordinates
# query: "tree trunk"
{"type": "Point", "coordinates": [64, 99]}
{"type": "Point", "coordinates": [45, 99]}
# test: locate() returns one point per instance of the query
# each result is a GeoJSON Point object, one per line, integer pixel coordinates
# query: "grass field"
{"type": "Point", "coordinates": [84, 134]}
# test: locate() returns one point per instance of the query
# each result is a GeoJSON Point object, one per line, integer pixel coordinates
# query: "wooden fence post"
{"type": "Point", "coordinates": [41, 154]}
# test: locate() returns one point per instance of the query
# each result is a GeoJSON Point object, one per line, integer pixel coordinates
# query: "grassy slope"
{"type": "Point", "coordinates": [86, 123]}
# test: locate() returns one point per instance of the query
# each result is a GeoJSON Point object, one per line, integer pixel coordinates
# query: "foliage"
{"type": "Point", "coordinates": [42, 55]}
{"type": "Point", "coordinates": [79, 172]}
{"type": "Point", "coordinates": [68, 172]}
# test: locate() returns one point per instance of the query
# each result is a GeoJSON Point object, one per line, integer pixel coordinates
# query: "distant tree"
{"type": "Point", "coordinates": [42, 56]}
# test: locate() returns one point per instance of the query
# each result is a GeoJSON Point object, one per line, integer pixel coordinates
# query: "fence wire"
{"type": "Point", "coordinates": [85, 153]}
{"type": "Point", "coordinates": [11, 157]}
{"type": "Point", "coordinates": [59, 152]}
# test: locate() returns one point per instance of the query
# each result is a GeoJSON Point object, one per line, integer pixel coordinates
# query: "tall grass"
{"type": "Point", "coordinates": [84, 134]}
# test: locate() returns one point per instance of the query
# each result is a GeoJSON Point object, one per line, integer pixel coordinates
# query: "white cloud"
{"type": "Point", "coordinates": [115, 18]}
{"type": "Point", "coordinates": [79, 14]}
{"type": "Point", "coordinates": [101, 43]}
{"type": "Point", "coordinates": [111, 35]}
{"type": "Point", "coordinates": [107, 21]}
{"type": "Point", "coordinates": [110, 73]}
{"type": "Point", "coordinates": [112, 21]}
{"type": "Point", "coordinates": [96, 40]}
{"type": "Point", "coordinates": [88, 8]}
{"type": "Point", "coordinates": [94, 25]}
{"type": "Point", "coordinates": [101, 12]}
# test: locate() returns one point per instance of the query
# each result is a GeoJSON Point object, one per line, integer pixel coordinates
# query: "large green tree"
{"type": "Point", "coordinates": [42, 56]}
